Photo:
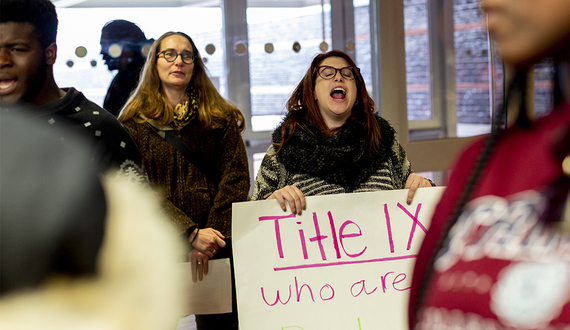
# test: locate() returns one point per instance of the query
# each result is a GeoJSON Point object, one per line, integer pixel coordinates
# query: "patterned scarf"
{"type": "Point", "coordinates": [186, 109]}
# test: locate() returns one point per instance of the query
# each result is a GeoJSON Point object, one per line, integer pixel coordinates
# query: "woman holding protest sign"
{"type": "Point", "coordinates": [331, 141]}
{"type": "Point", "coordinates": [496, 255]}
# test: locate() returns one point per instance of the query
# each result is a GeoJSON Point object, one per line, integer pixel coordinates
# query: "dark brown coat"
{"type": "Point", "coordinates": [192, 199]}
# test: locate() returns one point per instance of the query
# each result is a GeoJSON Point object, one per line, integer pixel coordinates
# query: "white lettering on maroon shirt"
{"type": "Point", "coordinates": [502, 228]}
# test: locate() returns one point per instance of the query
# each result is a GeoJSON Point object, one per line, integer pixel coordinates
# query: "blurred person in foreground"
{"type": "Point", "coordinates": [497, 253]}
{"type": "Point", "coordinates": [189, 137]}
{"type": "Point", "coordinates": [332, 141]}
{"type": "Point", "coordinates": [28, 52]}
{"type": "Point", "coordinates": [124, 48]}
{"type": "Point", "coordinates": [78, 251]}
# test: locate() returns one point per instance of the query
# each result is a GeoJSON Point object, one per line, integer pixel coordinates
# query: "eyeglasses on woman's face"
{"type": "Point", "coordinates": [328, 72]}
{"type": "Point", "coordinates": [170, 56]}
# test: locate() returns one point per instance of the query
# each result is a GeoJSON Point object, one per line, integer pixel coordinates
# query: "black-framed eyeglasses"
{"type": "Point", "coordinates": [328, 72]}
{"type": "Point", "coordinates": [171, 56]}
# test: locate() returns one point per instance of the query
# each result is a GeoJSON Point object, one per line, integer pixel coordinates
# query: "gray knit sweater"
{"type": "Point", "coordinates": [390, 172]}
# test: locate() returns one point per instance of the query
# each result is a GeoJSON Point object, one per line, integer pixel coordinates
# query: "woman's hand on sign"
{"type": "Point", "coordinates": [414, 182]}
{"type": "Point", "coordinates": [294, 197]}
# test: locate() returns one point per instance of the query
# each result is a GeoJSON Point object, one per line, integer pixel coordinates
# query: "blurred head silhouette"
{"type": "Point", "coordinates": [53, 205]}
{"type": "Point", "coordinates": [527, 33]}
{"type": "Point", "coordinates": [123, 44]}
{"type": "Point", "coordinates": [124, 48]}
{"type": "Point", "coordinates": [73, 249]}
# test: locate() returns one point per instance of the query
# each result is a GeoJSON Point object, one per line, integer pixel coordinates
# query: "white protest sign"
{"type": "Point", "coordinates": [345, 263]}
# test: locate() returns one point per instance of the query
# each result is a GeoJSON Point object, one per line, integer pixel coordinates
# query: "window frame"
{"type": "Point", "coordinates": [392, 75]}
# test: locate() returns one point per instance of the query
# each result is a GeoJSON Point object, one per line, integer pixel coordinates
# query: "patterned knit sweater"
{"type": "Point", "coordinates": [192, 199]}
{"type": "Point", "coordinates": [338, 164]}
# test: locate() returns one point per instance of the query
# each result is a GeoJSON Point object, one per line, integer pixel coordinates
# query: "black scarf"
{"type": "Point", "coordinates": [344, 158]}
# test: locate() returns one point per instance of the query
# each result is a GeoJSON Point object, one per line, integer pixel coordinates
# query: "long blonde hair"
{"type": "Point", "coordinates": [149, 100]}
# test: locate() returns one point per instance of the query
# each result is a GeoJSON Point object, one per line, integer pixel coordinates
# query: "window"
{"type": "Point", "coordinates": [282, 43]}
{"type": "Point", "coordinates": [440, 48]}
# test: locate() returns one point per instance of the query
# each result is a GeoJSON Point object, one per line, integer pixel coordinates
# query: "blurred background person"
{"type": "Point", "coordinates": [124, 48]}
{"type": "Point", "coordinates": [190, 140]}
{"type": "Point", "coordinates": [332, 142]}
{"type": "Point", "coordinates": [78, 251]}
{"type": "Point", "coordinates": [496, 255]}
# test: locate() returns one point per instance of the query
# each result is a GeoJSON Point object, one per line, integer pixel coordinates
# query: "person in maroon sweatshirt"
{"type": "Point", "coordinates": [497, 254]}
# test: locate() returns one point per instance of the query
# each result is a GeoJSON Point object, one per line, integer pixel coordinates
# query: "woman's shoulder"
{"type": "Point", "coordinates": [272, 150]}
{"type": "Point", "coordinates": [388, 132]}
{"type": "Point", "coordinates": [224, 125]}
{"type": "Point", "coordinates": [384, 124]}
{"type": "Point", "coordinates": [270, 161]}
{"type": "Point", "coordinates": [219, 129]}
{"type": "Point", "coordinates": [293, 124]}
{"type": "Point", "coordinates": [132, 124]}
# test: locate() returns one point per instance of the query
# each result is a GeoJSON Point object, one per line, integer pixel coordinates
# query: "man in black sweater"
{"type": "Point", "coordinates": [28, 51]}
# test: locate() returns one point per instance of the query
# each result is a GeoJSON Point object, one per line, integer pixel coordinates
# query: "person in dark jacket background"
{"type": "Point", "coordinates": [124, 48]}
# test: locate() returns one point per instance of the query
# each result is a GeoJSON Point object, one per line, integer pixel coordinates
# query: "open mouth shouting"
{"type": "Point", "coordinates": [338, 93]}
{"type": "Point", "coordinates": [7, 85]}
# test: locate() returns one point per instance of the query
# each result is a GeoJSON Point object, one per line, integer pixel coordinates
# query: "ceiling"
{"type": "Point", "coordinates": [178, 3]}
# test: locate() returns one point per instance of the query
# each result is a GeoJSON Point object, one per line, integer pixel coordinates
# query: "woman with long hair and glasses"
{"type": "Point", "coordinates": [497, 253]}
{"type": "Point", "coordinates": [331, 141]}
{"type": "Point", "coordinates": [190, 140]}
